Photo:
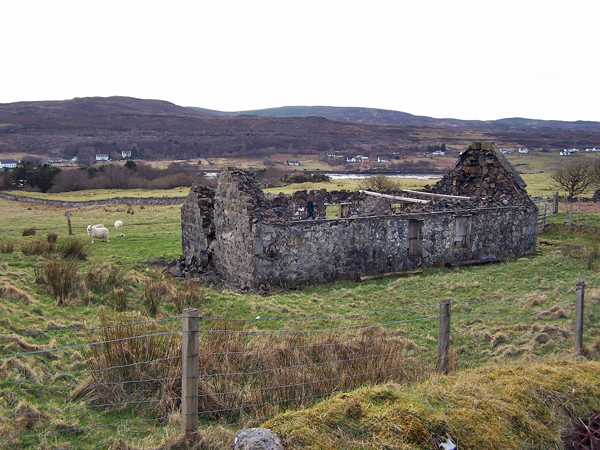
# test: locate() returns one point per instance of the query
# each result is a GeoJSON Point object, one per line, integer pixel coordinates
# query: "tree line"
{"type": "Point", "coordinates": [131, 175]}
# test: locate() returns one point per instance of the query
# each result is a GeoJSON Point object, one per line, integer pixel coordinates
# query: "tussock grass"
{"type": "Point", "coordinates": [188, 295]}
{"type": "Point", "coordinates": [37, 247]}
{"type": "Point", "coordinates": [270, 373]}
{"type": "Point", "coordinates": [62, 279]}
{"type": "Point", "coordinates": [132, 369]}
{"type": "Point", "coordinates": [497, 407]}
{"type": "Point", "coordinates": [52, 238]}
{"type": "Point", "coordinates": [7, 247]}
{"type": "Point", "coordinates": [13, 293]}
{"type": "Point", "coordinates": [31, 231]}
{"type": "Point", "coordinates": [154, 293]}
{"type": "Point", "coordinates": [73, 249]}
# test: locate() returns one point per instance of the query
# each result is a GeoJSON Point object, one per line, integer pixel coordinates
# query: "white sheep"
{"type": "Point", "coordinates": [94, 231]}
{"type": "Point", "coordinates": [118, 224]}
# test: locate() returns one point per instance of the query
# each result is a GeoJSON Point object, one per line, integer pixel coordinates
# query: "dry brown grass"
{"type": "Point", "coordinates": [523, 406]}
{"type": "Point", "coordinates": [264, 374]}
{"type": "Point", "coordinates": [11, 292]}
{"type": "Point", "coordinates": [131, 366]}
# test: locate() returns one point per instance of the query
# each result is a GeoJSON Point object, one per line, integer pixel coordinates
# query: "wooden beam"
{"type": "Point", "coordinates": [395, 197]}
{"type": "Point", "coordinates": [431, 194]}
{"type": "Point", "coordinates": [390, 274]}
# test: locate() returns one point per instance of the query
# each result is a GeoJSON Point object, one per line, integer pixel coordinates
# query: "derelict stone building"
{"type": "Point", "coordinates": [478, 211]}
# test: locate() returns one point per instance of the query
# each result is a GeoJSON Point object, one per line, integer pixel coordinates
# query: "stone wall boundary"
{"type": "Point", "coordinates": [108, 201]}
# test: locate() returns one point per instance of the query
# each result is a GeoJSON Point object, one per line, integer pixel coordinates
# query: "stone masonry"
{"type": "Point", "coordinates": [480, 212]}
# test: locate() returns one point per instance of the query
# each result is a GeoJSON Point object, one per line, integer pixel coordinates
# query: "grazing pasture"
{"type": "Point", "coordinates": [516, 311]}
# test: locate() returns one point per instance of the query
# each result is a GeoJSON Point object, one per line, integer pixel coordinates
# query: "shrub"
{"type": "Point", "coordinates": [378, 183]}
{"type": "Point", "coordinates": [62, 279]}
{"type": "Point", "coordinates": [29, 231]}
{"type": "Point", "coordinates": [52, 238]}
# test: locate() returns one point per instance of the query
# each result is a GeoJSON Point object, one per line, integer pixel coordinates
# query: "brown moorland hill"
{"type": "Point", "coordinates": [162, 130]}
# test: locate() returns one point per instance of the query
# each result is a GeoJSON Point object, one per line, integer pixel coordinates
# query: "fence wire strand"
{"type": "Point", "coordinates": [129, 376]}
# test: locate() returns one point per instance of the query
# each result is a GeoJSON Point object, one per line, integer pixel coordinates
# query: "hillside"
{"type": "Point", "coordinates": [157, 129]}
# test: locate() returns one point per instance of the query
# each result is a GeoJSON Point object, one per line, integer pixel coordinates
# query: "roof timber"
{"type": "Point", "coordinates": [431, 194]}
{"type": "Point", "coordinates": [395, 197]}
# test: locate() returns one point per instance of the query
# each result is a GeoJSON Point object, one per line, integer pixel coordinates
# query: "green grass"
{"type": "Point", "coordinates": [486, 327]}
{"type": "Point", "coordinates": [101, 194]}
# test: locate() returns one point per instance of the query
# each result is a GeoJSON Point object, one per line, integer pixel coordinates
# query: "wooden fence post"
{"type": "Point", "coordinates": [443, 354]}
{"type": "Point", "coordinates": [555, 203]}
{"type": "Point", "coordinates": [189, 371]}
{"type": "Point", "coordinates": [571, 212]}
{"type": "Point", "coordinates": [579, 316]}
{"type": "Point", "coordinates": [68, 214]}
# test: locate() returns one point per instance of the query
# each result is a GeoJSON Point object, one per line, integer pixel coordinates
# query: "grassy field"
{"type": "Point", "coordinates": [513, 312]}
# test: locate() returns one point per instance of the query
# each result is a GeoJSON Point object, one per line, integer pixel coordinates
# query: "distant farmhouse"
{"type": "Point", "coordinates": [569, 151]}
{"type": "Point", "coordinates": [8, 164]}
{"type": "Point", "coordinates": [125, 154]}
{"type": "Point", "coordinates": [524, 150]}
{"type": "Point", "coordinates": [102, 157]}
{"type": "Point", "coordinates": [293, 163]}
{"type": "Point", "coordinates": [383, 159]}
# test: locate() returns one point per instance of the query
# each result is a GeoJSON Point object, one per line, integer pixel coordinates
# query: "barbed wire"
{"type": "Point", "coordinates": [247, 374]}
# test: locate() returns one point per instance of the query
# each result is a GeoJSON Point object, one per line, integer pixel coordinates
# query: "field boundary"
{"type": "Point", "coordinates": [108, 201]}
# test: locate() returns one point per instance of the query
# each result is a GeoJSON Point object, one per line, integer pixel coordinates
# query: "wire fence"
{"type": "Point", "coordinates": [143, 381]}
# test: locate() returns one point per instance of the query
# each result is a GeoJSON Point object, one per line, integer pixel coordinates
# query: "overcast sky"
{"type": "Point", "coordinates": [458, 59]}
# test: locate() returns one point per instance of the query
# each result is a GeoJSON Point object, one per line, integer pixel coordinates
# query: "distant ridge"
{"type": "Point", "coordinates": [159, 129]}
{"type": "Point", "coordinates": [91, 106]}
{"type": "Point", "coordinates": [390, 117]}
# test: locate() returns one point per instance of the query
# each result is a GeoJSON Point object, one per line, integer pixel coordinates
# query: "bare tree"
{"type": "Point", "coordinates": [575, 177]}
{"type": "Point", "coordinates": [379, 183]}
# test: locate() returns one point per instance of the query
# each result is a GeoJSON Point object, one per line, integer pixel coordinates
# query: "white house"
{"type": "Point", "coordinates": [8, 164]}
{"type": "Point", "coordinates": [352, 160]}
{"type": "Point", "coordinates": [439, 153]}
{"type": "Point", "coordinates": [383, 159]}
{"type": "Point", "coordinates": [523, 150]}
{"type": "Point", "coordinates": [101, 157]}
{"type": "Point", "coordinates": [569, 151]}
{"type": "Point", "coordinates": [293, 163]}
{"type": "Point", "coordinates": [125, 154]}
{"type": "Point", "coordinates": [592, 149]}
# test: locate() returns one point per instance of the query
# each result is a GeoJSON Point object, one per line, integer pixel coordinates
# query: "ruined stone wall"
{"type": "Point", "coordinates": [233, 252]}
{"type": "Point", "coordinates": [322, 251]}
{"type": "Point", "coordinates": [256, 239]}
{"type": "Point", "coordinates": [197, 227]}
